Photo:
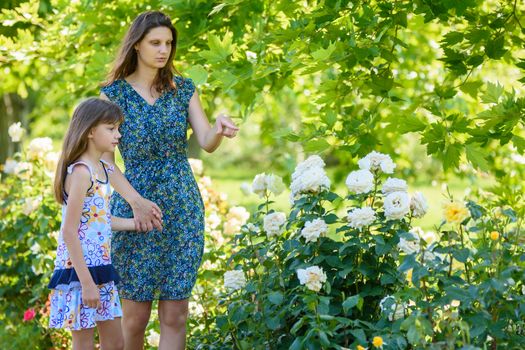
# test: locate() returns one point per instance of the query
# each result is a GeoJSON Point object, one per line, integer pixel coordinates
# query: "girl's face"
{"type": "Point", "coordinates": [105, 137]}
{"type": "Point", "coordinates": [155, 48]}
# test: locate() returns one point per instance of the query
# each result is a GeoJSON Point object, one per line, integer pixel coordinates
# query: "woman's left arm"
{"type": "Point", "coordinates": [209, 137]}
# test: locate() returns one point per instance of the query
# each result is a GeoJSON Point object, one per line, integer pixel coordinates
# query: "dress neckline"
{"type": "Point", "coordinates": [140, 96]}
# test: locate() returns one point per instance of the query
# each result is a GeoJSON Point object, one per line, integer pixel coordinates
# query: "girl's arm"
{"type": "Point", "coordinates": [122, 224]}
{"type": "Point", "coordinates": [80, 183]}
{"type": "Point", "coordinates": [209, 137]}
{"type": "Point", "coordinates": [146, 214]}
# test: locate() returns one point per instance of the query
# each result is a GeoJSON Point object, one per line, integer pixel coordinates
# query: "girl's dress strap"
{"type": "Point", "coordinates": [70, 169]}
{"type": "Point", "coordinates": [109, 168]}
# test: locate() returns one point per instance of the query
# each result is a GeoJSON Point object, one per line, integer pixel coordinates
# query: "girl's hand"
{"type": "Point", "coordinates": [91, 295]}
{"type": "Point", "coordinates": [146, 215]}
{"type": "Point", "coordinates": [225, 126]}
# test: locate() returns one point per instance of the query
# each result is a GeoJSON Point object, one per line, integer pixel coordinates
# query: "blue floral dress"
{"type": "Point", "coordinates": [158, 265]}
{"type": "Point", "coordinates": [94, 233]}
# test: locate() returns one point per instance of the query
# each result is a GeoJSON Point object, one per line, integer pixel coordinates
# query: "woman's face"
{"type": "Point", "coordinates": [155, 48]}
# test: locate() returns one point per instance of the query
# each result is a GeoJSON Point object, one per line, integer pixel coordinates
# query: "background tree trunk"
{"type": "Point", "coordinates": [12, 109]}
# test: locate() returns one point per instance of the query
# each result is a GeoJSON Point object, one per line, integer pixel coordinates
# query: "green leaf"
{"type": "Point", "coordinates": [219, 49]}
{"type": "Point", "coordinates": [519, 143]}
{"type": "Point", "coordinates": [451, 156]}
{"type": "Point", "coordinates": [224, 79]}
{"type": "Point", "coordinates": [273, 322]}
{"type": "Point", "coordinates": [352, 302]}
{"type": "Point", "coordinates": [471, 88]}
{"type": "Point", "coordinates": [495, 47]}
{"type": "Point", "coordinates": [318, 145]}
{"type": "Point", "coordinates": [410, 123]}
{"type": "Point", "coordinates": [276, 298]}
{"type": "Point", "coordinates": [493, 93]}
{"type": "Point", "coordinates": [476, 156]}
{"type": "Point", "coordinates": [198, 74]}
{"type": "Point", "coordinates": [323, 54]}
{"type": "Point", "coordinates": [324, 338]}
{"type": "Point", "coordinates": [461, 255]}
{"type": "Point", "coordinates": [452, 38]}
{"type": "Point", "coordinates": [360, 335]}
{"type": "Point", "coordinates": [298, 325]}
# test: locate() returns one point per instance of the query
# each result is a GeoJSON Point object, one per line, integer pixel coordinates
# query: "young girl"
{"type": "Point", "coordinates": [83, 283]}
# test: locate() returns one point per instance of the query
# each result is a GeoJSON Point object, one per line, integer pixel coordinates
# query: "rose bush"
{"type": "Point", "coordinates": [369, 278]}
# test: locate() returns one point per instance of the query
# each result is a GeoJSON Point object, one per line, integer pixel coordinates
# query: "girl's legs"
{"type": "Point", "coordinates": [83, 339]}
{"type": "Point", "coordinates": [172, 316]}
{"type": "Point", "coordinates": [134, 322]}
{"type": "Point", "coordinates": [110, 334]}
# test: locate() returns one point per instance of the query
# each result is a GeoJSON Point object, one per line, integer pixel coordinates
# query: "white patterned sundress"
{"type": "Point", "coordinates": [94, 233]}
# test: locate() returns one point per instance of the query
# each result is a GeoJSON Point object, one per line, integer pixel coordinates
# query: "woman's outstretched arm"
{"type": "Point", "coordinates": [209, 137]}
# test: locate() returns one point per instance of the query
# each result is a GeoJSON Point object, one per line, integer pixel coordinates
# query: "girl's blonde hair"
{"type": "Point", "coordinates": [86, 116]}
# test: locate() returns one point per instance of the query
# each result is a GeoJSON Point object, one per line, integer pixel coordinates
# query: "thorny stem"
{"type": "Point", "coordinates": [467, 272]}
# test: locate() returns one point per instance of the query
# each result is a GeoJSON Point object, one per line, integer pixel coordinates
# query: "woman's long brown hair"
{"type": "Point", "coordinates": [86, 116]}
{"type": "Point", "coordinates": [126, 62]}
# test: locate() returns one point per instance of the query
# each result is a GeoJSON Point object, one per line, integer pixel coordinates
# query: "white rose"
{"type": "Point", "coordinates": [239, 213]}
{"type": "Point", "coordinates": [375, 161]}
{"type": "Point", "coordinates": [30, 205]}
{"type": "Point", "coordinates": [16, 131]}
{"type": "Point", "coordinates": [195, 308]}
{"type": "Point", "coordinates": [39, 147]}
{"type": "Point", "coordinates": [259, 185]}
{"type": "Point", "coordinates": [396, 205]}
{"type": "Point", "coordinates": [275, 184]}
{"type": "Point", "coordinates": [217, 236]}
{"type": "Point", "coordinates": [54, 235]}
{"type": "Point", "coordinates": [313, 180]}
{"type": "Point", "coordinates": [251, 56]}
{"type": "Point", "coordinates": [418, 205]}
{"type": "Point", "coordinates": [360, 181]}
{"type": "Point", "coordinates": [430, 237]}
{"type": "Point", "coordinates": [361, 217]}
{"type": "Point", "coordinates": [394, 185]}
{"type": "Point", "coordinates": [246, 189]}
{"type": "Point", "coordinates": [51, 162]}
{"type": "Point", "coordinates": [251, 228]}
{"type": "Point", "coordinates": [153, 338]}
{"type": "Point", "coordinates": [205, 181]}
{"type": "Point", "coordinates": [234, 279]}
{"type": "Point", "coordinates": [409, 246]}
{"type": "Point", "coordinates": [310, 163]}
{"type": "Point", "coordinates": [10, 166]}
{"type": "Point", "coordinates": [387, 166]}
{"type": "Point", "coordinates": [397, 311]}
{"type": "Point", "coordinates": [430, 257]}
{"type": "Point", "coordinates": [23, 170]}
{"type": "Point", "coordinates": [392, 308]}
{"type": "Point", "coordinates": [314, 229]}
{"type": "Point", "coordinates": [35, 248]}
{"type": "Point", "coordinates": [313, 277]}
{"type": "Point", "coordinates": [232, 226]}
{"type": "Point", "coordinates": [273, 223]}
{"type": "Point", "coordinates": [196, 166]}
{"type": "Point", "coordinates": [212, 221]}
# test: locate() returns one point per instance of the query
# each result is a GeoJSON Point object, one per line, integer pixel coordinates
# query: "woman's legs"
{"type": "Point", "coordinates": [83, 339]}
{"type": "Point", "coordinates": [172, 316]}
{"type": "Point", "coordinates": [110, 334]}
{"type": "Point", "coordinates": [134, 322]}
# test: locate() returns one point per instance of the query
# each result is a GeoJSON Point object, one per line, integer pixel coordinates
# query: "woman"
{"type": "Point", "coordinates": [158, 106]}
